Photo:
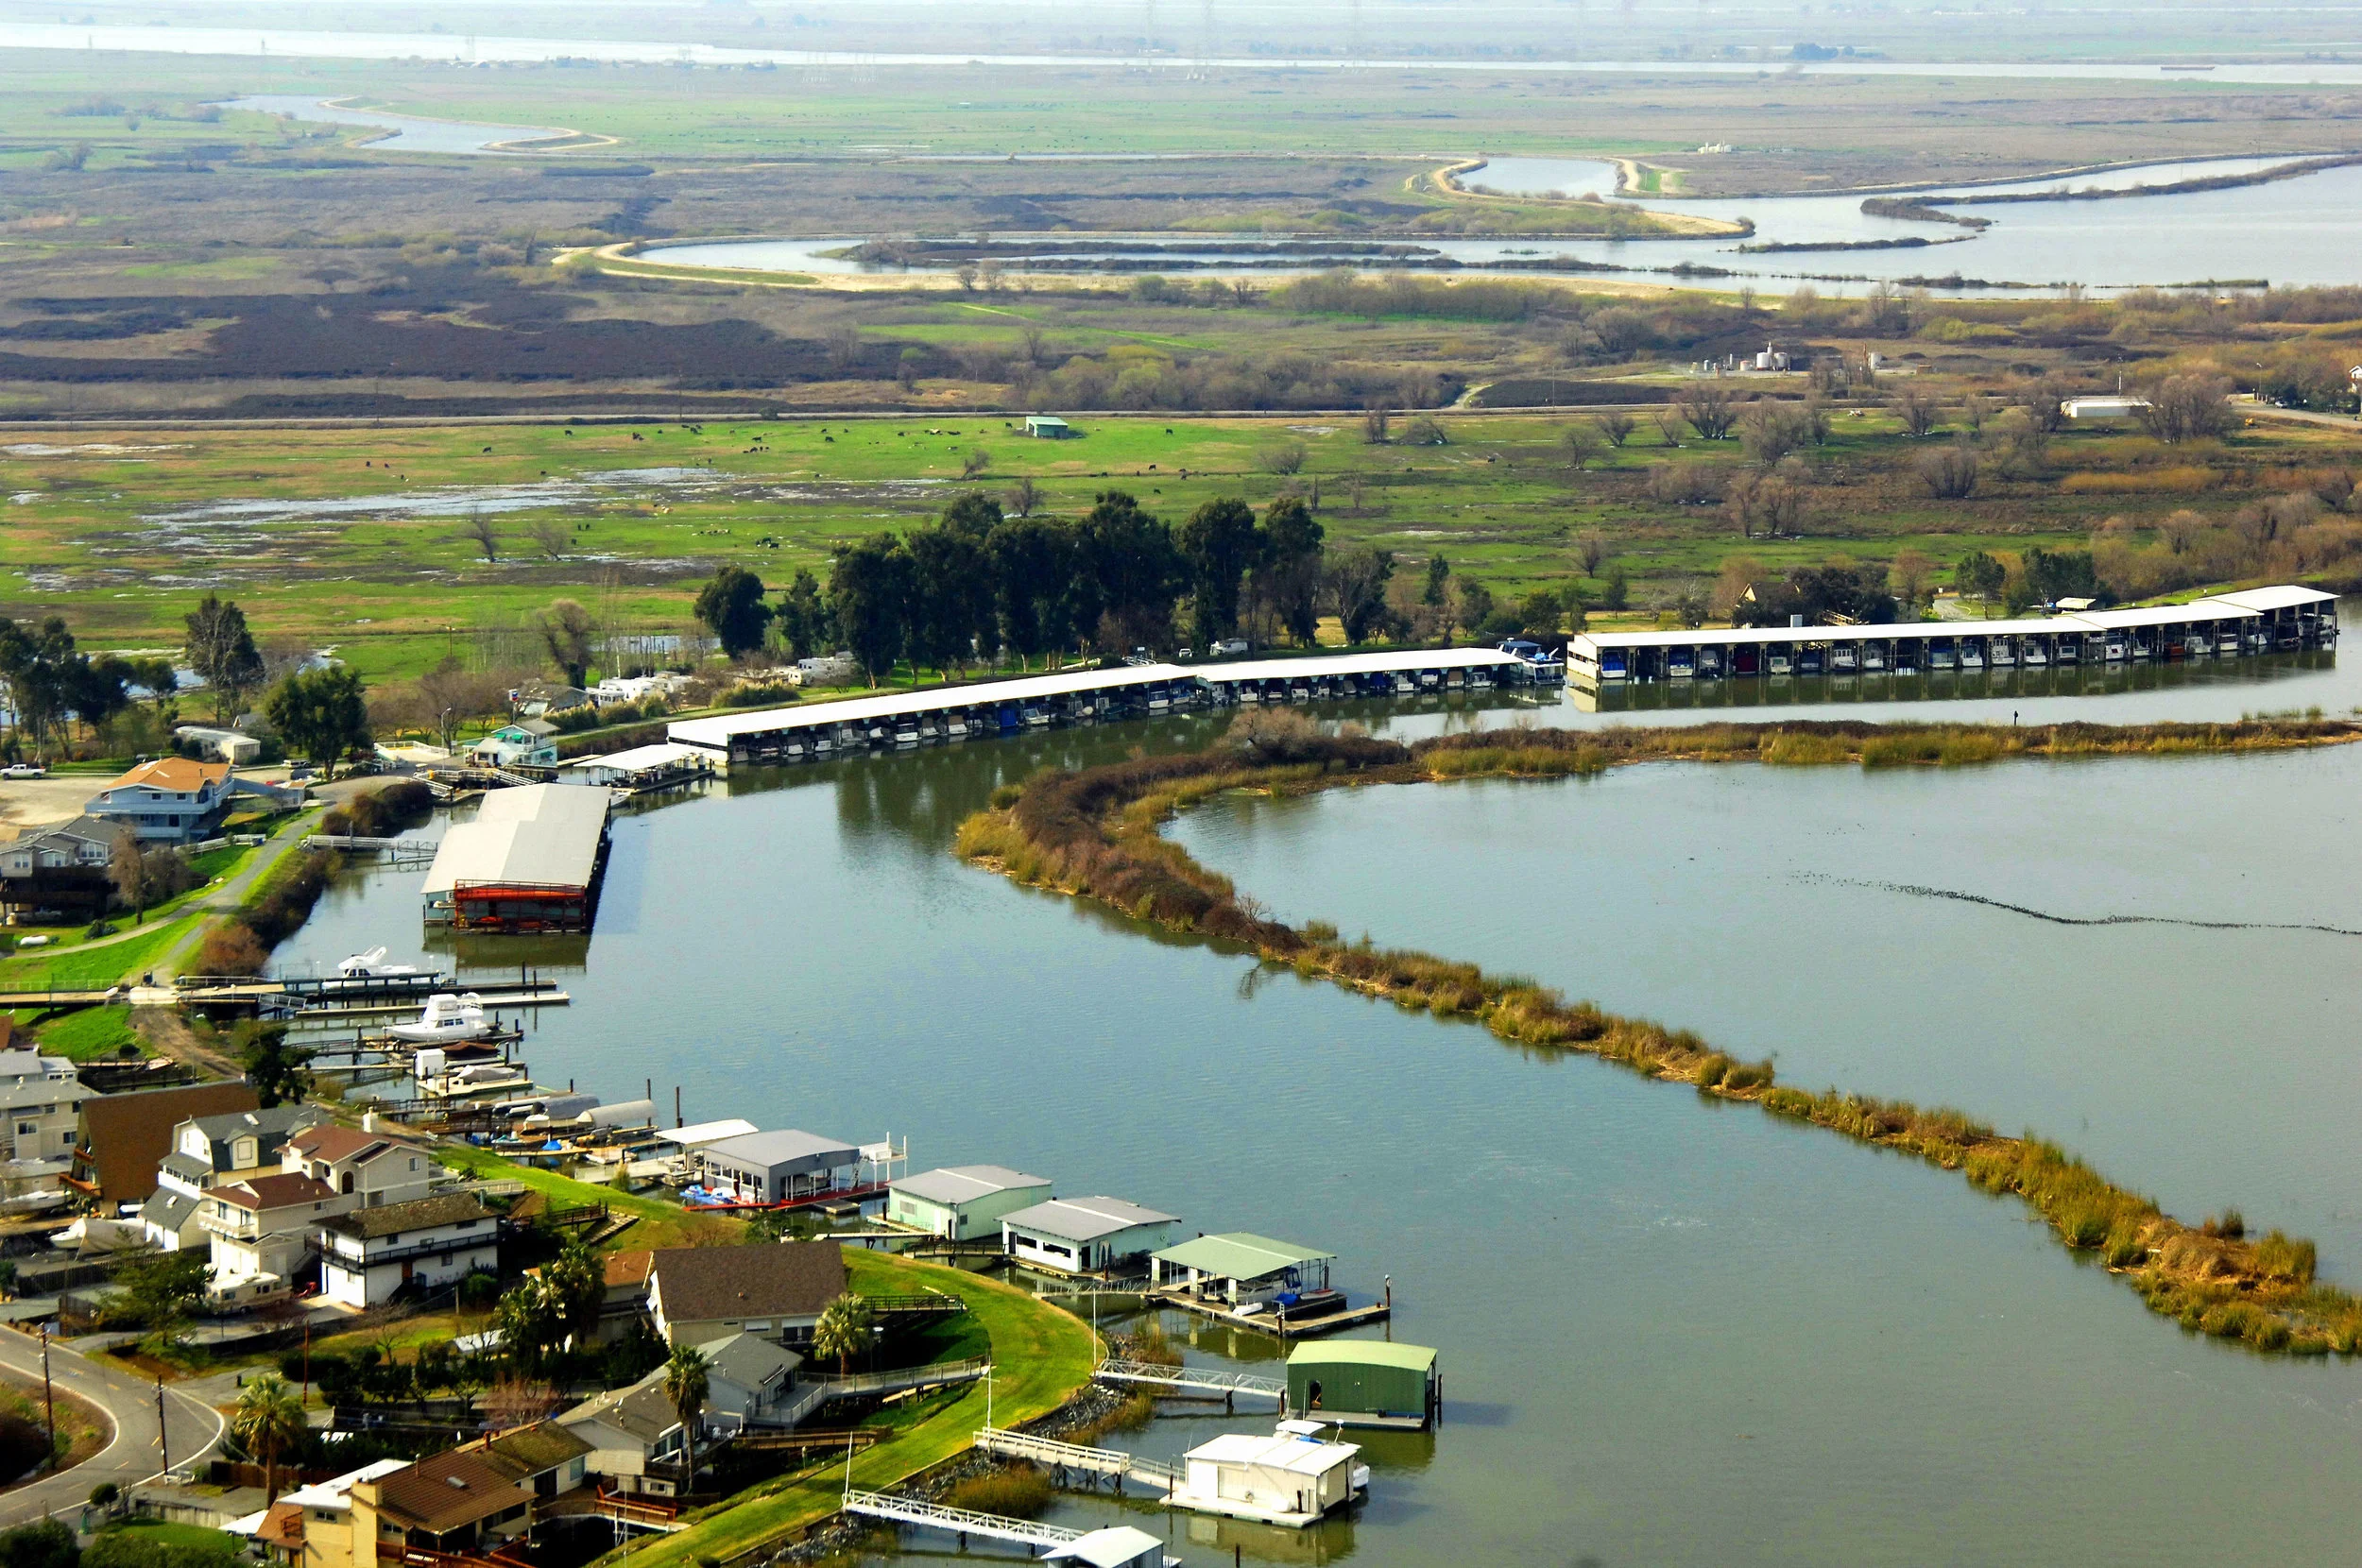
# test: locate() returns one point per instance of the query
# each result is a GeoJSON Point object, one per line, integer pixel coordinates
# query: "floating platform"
{"type": "Point", "coordinates": [1279, 1324]}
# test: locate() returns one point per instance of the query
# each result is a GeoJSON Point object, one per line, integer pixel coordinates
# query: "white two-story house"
{"type": "Point", "coordinates": [171, 800]}
{"type": "Point", "coordinates": [360, 1162]}
{"type": "Point", "coordinates": [368, 1256]}
{"type": "Point", "coordinates": [40, 1099]}
{"type": "Point", "coordinates": [264, 1228]}
{"type": "Point", "coordinates": [208, 1150]}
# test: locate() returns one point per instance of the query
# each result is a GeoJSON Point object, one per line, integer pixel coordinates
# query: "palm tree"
{"type": "Point", "coordinates": [268, 1420]}
{"type": "Point", "coordinates": [685, 1384]}
{"type": "Point", "coordinates": [843, 1331]}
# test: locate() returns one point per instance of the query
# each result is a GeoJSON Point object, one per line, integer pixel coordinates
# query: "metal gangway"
{"type": "Point", "coordinates": [1053, 1455]}
{"type": "Point", "coordinates": [960, 1522]}
{"type": "Point", "coordinates": [1196, 1380]}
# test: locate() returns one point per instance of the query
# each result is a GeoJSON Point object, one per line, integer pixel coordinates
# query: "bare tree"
{"type": "Point", "coordinates": [1580, 442]}
{"type": "Point", "coordinates": [1977, 410]}
{"type": "Point", "coordinates": [1710, 411]}
{"type": "Point", "coordinates": [1669, 426]}
{"type": "Point", "coordinates": [2180, 530]}
{"type": "Point", "coordinates": [451, 694]}
{"type": "Point", "coordinates": [1910, 575]}
{"type": "Point", "coordinates": [2041, 401]}
{"type": "Point", "coordinates": [1023, 498]}
{"type": "Point", "coordinates": [975, 463]}
{"type": "Point", "coordinates": [566, 631]}
{"type": "Point", "coordinates": [1287, 457]}
{"type": "Point", "coordinates": [554, 536]}
{"type": "Point", "coordinates": [1950, 473]}
{"type": "Point", "coordinates": [1617, 427]}
{"type": "Point", "coordinates": [844, 345]}
{"type": "Point", "coordinates": [1591, 553]}
{"type": "Point", "coordinates": [1918, 411]}
{"type": "Point", "coordinates": [2186, 408]}
{"type": "Point", "coordinates": [478, 526]}
{"type": "Point", "coordinates": [1376, 424]}
{"type": "Point", "coordinates": [1033, 343]}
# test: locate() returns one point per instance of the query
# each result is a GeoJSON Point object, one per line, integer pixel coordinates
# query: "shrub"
{"type": "Point", "coordinates": [1014, 1493]}
{"type": "Point", "coordinates": [232, 949]}
{"type": "Point", "coordinates": [2282, 1258]}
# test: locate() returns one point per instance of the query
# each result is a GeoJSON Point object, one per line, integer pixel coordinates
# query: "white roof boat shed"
{"type": "Point", "coordinates": [776, 1168]}
{"type": "Point", "coordinates": [635, 766]}
{"type": "Point", "coordinates": [962, 1202]}
{"type": "Point", "coordinates": [699, 1133]}
{"type": "Point", "coordinates": [1083, 1236]}
{"type": "Point", "coordinates": [526, 861]}
{"type": "Point", "coordinates": [1240, 1266]}
{"type": "Point", "coordinates": [1289, 1478]}
{"type": "Point", "coordinates": [738, 735]}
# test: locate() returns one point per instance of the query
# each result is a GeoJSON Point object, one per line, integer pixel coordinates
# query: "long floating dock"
{"type": "Point", "coordinates": [1087, 696]}
{"type": "Point", "coordinates": [2228, 625]}
{"type": "Point", "coordinates": [1279, 1325]}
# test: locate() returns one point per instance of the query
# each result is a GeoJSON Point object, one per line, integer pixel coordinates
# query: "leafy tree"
{"type": "Point", "coordinates": [569, 635]}
{"type": "Point", "coordinates": [1030, 559]}
{"type": "Point", "coordinates": [268, 1420]}
{"type": "Point", "coordinates": [275, 1068]}
{"type": "Point", "coordinates": [732, 606]}
{"type": "Point", "coordinates": [1291, 565]}
{"type": "Point", "coordinates": [528, 1323]}
{"type": "Point", "coordinates": [802, 619]}
{"type": "Point", "coordinates": [686, 1385]}
{"type": "Point", "coordinates": [322, 714]}
{"type": "Point", "coordinates": [145, 877]}
{"type": "Point", "coordinates": [843, 1331]}
{"type": "Point", "coordinates": [950, 595]}
{"type": "Point", "coordinates": [1618, 593]}
{"type": "Point", "coordinates": [576, 1286]}
{"type": "Point", "coordinates": [451, 694]}
{"type": "Point", "coordinates": [1126, 574]}
{"type": "Point", "coordinates": [48, 1542]}
{"type": "Point", "coordinates": [1840, 592]}
{"type": "Point", "coordinates": [97, 689]}
{"type": "Point", "coordinates": [1218, 544]}
{"type": "Point", "coordinates": [1980, 574]}
{"type": "Point", "coordinates": [1353, 584]}
{"type": "Point", "coordinates": [869, 593]}
{"type": "Point", "coordinates": [974, 515]}
{"type": "Point", "coordinates": [221, 651]}
{"type": "Point", "coordinates": [1435, 595]}
{"type": "Point", "coordinates": [2052, 575]}
{"type": "Point", "coordinates": [160, 1293]}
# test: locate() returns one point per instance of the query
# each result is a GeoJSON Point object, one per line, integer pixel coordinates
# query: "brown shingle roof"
{"type": "Point", "coordinates": [529, 1451]}
{"type": "Point", "coordinates": [128, 1135]}
{"type": "Point", "coordinates": [173, 773]}
{"type": "Point", "coordinates": [622, 1267]}
{"type": "Point", "coordinates": [440, 1493]}
{"type": "Point", "coordinates": [282, 1526]}
{"type": "Point", "coordinates": [276, 1191]}
{"type": "Point", "coordinates": [419, 1214]}
{"type": "Point", "coordinates": [707, 1284]}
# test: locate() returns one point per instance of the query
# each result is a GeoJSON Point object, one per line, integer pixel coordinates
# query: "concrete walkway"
{"type": "Point", "coordinates": [231, 894]}
{"type": "Point", "coordinates": [192, 1427]}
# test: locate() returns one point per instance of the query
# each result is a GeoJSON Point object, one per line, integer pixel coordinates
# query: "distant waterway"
{"type": "Point", "coordinates": [1675, 1331]}
{"type": "Point", "coordinates": [489, 49]}
{"type": "Point", "coordinates": [411, 132]}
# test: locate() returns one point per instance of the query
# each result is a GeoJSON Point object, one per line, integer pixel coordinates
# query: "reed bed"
{"type": "Point", "coordinates": [1095, 834]}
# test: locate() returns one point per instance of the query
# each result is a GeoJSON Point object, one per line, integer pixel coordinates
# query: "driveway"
{"type": "Point", "coordinates": [39, 802]}
{"type": "Point", "coordinates": [192, 1427]}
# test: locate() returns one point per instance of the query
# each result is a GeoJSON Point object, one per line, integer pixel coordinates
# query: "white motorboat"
{"type": "Point", "coordinates": [447, 1017]}
{"type": "Point", "coordinates": [372, 965]}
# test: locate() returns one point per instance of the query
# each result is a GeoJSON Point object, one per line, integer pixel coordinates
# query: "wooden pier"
{"type": "Point", "coordinates": [1192, 1382]}
{"type": "Point", "coordinates": [1067, 1459]}
{"type": "Point", "coordinates": [1278, 1322]}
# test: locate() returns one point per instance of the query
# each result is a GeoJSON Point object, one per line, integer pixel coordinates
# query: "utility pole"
{"type": "Point", "coordinates": [163, 1446]}
{"type": "Point", "coordinates": [48, 1396]}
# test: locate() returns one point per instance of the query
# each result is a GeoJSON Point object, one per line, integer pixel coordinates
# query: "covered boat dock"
{"type": "Point", "coordinates": [2225, 625]}
{"type": "Point", "coordinates": [528, 860]}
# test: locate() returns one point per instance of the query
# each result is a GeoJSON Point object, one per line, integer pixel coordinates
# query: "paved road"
{"type": "Point", "coordinates": [191, 1427]}
{"type": "Point", "coordinates": [231, 893]}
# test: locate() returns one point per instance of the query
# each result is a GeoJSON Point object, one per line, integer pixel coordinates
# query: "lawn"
{"type": "Point", "coordinates": [1041, 1354]}
{"type": "Point", "coordinates": [661, 1224]}
{"type": "Point", "coordinates": [93, 965]}
{"type": "Point", "coordinates": [86, 1034]}
{"type": "Point", "coordinates": [162, 1532]}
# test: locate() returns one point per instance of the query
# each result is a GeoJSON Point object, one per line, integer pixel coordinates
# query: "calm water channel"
{"type": "Point", "coordinates": [1673, 1332]}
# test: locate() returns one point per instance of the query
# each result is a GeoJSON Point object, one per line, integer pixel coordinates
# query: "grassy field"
{"type": "Point", "coordinates": [660, 1223]}
{"type": "Point", "coordinates": [1041, 1355]}
{"type": "Point", "coordinates": [645, 514]}
{"type": "Point", "coordinates": [92, 965]}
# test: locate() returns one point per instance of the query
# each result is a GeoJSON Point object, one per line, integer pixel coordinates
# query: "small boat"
{"type": "Point", "coordinates": [447, 1017]}
{"type": "Point", "coordinates": [372, 965]}
{"type": "Point", "coordinates": [2036, 655]}
{"type": "Point", "coordinates": [1038, 718]}
{"type": "Point", "coordinates": [1808, 661]}
{"type": "Point", "coordinates": [2070, 651]}
{"type": "Point", "coordinates": [2004, 652]}
{"type": "Point", "coordinates": [1710, 662]}
{"type": "Point", "coordinates": [1780, 663]}
{"type": "Point", "coordinates": [1681, 664]}
{"type": "Point", "coordinates": [1941, 657]}
{"type": "Point", "coordinates": [906, 734]}
{"type": "Point", "coordinates": [1844, 658]}
{"type": "Point", "coordinates": [2115, 649]}
{"type": "Point", "coordinates": [484, 1078]}
{"type": "Point", "coordinates": [1873, 658]}
{"type": "Point", "coordinates": [1971, 656]}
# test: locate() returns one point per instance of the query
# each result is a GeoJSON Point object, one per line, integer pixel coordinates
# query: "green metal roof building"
{"type": "Point", "coordinates": [1240, 1266]}
{"type": "Point", "coordinates": [1364, 1383]}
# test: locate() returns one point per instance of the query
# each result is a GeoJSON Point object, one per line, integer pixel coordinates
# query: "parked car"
{"type": "Point", "coordinates": [1231, 647]}
{"type": "Point", "coordinates": [23, 770]}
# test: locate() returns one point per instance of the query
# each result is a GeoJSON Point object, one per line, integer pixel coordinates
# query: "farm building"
{"type": "Point", "coordinates": [775, 1168]}
{"type": "Point", "coordinates": [1046, 427]}
{"type": "Point", "coordinates": [1240, 1266]}
{"type": "Point", "coordinates": [964, 1203]}
{"type": "Point", "coordinates": [528, 860]}
{"type": "Point", "coordinates": [1080, 1235]}
{"type": "Point", "coordinates": [1364, 1383]}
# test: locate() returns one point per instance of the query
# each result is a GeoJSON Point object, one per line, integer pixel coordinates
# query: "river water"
{"type": "Point", "coordinates": [411, 132]}
{"type": "Point", "coordinates": [1673, 1331]}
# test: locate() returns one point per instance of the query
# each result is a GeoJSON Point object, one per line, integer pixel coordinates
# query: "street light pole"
{"type": "Point", "coordinates": [48, 1396]}
{"type": "Point", "coordinates": [163, 1446]}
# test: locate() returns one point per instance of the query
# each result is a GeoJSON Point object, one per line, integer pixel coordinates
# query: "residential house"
{"type": "Point", "coordinates": [63, 871]}
{"type": "Point", "coordinates": [207, 1150]}
{"type": "Point", "coordinates": [538, 698]}
{"type": "Point", "coordinates": [263, 1229]}
{"type": "Point", "coordinates": [461, 1503]}
{"type": "Point", "coordinates": [749, 1382]}
{"type": "Point", "coordinates": [633, 1433]}
{"type": "Point", "coordinates": [544, 1457]}
{"type": "Point", "coordinates": [700, 1294]}
{"type": "Point", "coordinates": [1084, 1236]}
{"type": "Point", "coordinates": [962, 1202]}
{"type": "Point", "coordinates": [41, 1096]}
{"type": "Point", "coordinates": [361, 1161]}
{"type": "Point", "coordinates": [172, 800]}
{"type": "Point", "coordinates": [312, 1526]}
{"type": "Point", "coordinates": [776, 1168]}
{"type": "Point", "coordinates": [625, 1303]}
{"type": "Point", "coordinates": [119, 1140]}
{"type": "Point", "coordinates": [530, 742]}
{"type": "Point", "coordinates": [368, 1256]}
